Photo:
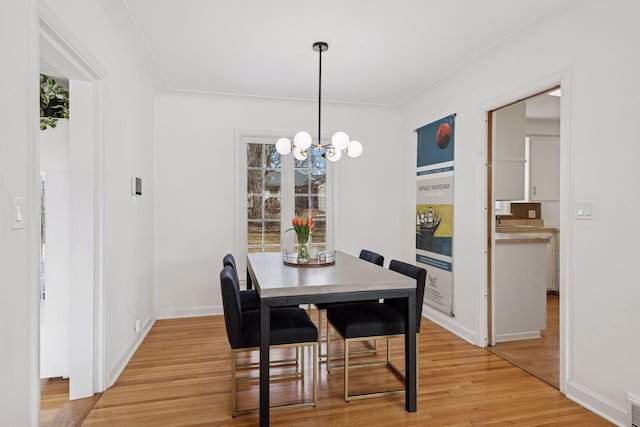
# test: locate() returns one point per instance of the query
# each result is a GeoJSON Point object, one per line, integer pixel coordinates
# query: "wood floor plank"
{"type": "Point", "coordinates": [541, 356]}
{"type": "Point", "coordinates": [180, 376]}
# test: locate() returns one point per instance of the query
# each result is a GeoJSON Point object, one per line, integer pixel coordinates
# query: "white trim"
{"type": "Point", "coordinates": [79, 62]}
{"type": "Point", "coordinates": [482, 292]}
{"type": "Point", "coordinates": [448, 323]}
{"type": "Point", "coordinates": [518, 336]}
{"type": "Point", "coordinates": [632, 400]}
{"type": "Point", "coordinates": [239, 178]}
{"type": "Point", "coordinates": [179, 313]}
{"type": "Point", "coordinates": [100, 294]}
{"type": "Point", "coordinates": [566, 228]}
{"type": "Point", "coordinates": [33, 242]}
{"type": "Point", "coordinates": [596, 403]}
{"type": "Point", "coordinates": [121, 363]}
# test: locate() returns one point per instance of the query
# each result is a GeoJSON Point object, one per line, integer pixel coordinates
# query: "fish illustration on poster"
{"type": "Point", "coordinates": [434, 210]}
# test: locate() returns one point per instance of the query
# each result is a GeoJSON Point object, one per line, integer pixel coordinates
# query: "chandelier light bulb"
{"type": "Point", "coordinates": [283, 146]}
{"type": "Point", "coordinates": [299, 154]}
{"type": "Point", "coordinates": [302, 139]}
{"type": "Point", "coordinates": [340, 140]}
{"type": "Point", "coordinates": [333, 155]}
{"type": "Point", "coordinates": [354, 149]}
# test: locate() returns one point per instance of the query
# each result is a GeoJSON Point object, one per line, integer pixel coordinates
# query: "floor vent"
{"type": "Point", "coordinates": [634, 409]}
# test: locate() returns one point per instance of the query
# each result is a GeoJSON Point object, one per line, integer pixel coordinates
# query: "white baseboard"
{"type": "Point", "coordinates": [607, 409]}
{"type": "Point", "coordinates": [176, 313]}
{"type": "Point", "coordinates": [518, 336]}
{"type": "Point", "coordinates": [633, 400]}
{"type": "Point", "coordinates": [117, 369]}
{"type": "Point", "coordinates": [449, 323]}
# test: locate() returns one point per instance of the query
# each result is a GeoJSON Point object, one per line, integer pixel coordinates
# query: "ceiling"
{"type": "Point", "coordinates": [380, 51]}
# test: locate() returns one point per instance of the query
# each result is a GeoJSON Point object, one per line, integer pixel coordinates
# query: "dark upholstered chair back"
{"type": "Point", "coordinates": [418, 273]}
{"type": "Point", "coordinates": [231, 306]}
{"type": "Point", "coordinates": [230, 261]}
{"type": "Point", "coordinates": [372, 257]}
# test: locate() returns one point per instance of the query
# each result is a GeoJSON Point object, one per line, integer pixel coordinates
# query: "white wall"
{"type": "Point", "coordinates": [19, 388]}
{"type": "Point", "coordinates": [194, 192]}
{"type": "Point", "coordinates": [593, 47]}
{"type": "Point", "coordinates": [106, 31]}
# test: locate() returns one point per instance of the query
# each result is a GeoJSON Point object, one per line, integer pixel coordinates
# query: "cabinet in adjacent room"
{"type": "Point", "coordinates": [509, 151]}
{"type": "Point", "coordinates": [544, 168]}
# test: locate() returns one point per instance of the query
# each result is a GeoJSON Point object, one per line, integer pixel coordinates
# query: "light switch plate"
{"type": "Point", "coordinates": [19, 214]}
{"type": "Point", "coordinates": [585, 209]}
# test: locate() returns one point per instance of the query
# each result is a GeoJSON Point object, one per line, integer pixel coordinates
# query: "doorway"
{"type": "Point", "coordinates": [83, 311]}
{"type": "Point", "coordinates": [523, 206]}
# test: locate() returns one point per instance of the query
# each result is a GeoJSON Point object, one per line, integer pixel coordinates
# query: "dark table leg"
{"type": "Point", "coordinates": [265, 318]}
{"type": "Point", "coordinates": [249, 282]}
{"type": "Point", "coordinates": [410, 355]}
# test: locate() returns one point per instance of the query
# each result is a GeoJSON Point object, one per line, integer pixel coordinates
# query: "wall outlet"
{"type": "Point", "coordinates": [532, 213]}
{"type": "Point", "coordinates": [136, 326]}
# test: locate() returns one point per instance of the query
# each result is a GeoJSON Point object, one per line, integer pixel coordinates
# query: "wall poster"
{"type": "Point", "coordinates": [434, 211]}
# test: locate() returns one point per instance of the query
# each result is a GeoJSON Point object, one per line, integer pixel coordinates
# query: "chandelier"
{"type": "Point", "coordinates": [302, 141]}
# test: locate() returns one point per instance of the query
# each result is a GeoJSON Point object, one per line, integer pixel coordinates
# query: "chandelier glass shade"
{"type": "Point", "coordinates": [303, 142]}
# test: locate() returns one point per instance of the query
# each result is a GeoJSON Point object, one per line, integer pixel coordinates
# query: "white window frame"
{"type": "Point", "coordinates": [241, 138]}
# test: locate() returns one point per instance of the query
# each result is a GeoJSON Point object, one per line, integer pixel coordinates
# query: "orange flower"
{"type": "Point", "coordinates": [303, 228]}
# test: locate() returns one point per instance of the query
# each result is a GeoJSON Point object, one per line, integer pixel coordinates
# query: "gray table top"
{"type": "Point", "coordinates": [349, 274]}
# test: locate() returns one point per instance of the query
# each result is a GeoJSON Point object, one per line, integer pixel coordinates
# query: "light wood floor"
{"type": "Point", "coordinates": [54, 395]}
{"type": "Point", "coordinates": [180, 376]}
{"type": "Point", "coordinates": [540, 357]}
{"type": "Point", "coordinates": [55, 408]}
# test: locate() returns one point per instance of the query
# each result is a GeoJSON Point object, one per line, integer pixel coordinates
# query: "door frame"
{"type": "Point", "coordinates": [485, 307]}
{"type": "Point", "coordinates": [88, 362]}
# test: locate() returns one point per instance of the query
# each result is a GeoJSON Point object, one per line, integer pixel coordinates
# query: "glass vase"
{"type": "Point", "coordinates": [303, 252]}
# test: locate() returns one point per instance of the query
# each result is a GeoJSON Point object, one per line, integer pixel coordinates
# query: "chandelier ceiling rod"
{"type": "Point", "coordinates": [320, 47]}
{"type": "Point", "coordinates": [302, 141]}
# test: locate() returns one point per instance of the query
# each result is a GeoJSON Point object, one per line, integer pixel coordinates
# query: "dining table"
{"type": "Point", "coordinates": [347, 279]}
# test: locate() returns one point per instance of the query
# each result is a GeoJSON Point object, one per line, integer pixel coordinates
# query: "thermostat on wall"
{"type": "Point", "coordinates": [136, 186]}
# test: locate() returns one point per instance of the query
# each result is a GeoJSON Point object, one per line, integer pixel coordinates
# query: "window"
{"type": "Point", "coordinates": [263, 198]}
{"type": "Point", "coordinates": [272, 189]}
{"type": "Point", "coordinates": [310, 194]}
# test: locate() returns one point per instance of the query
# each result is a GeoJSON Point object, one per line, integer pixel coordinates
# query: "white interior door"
{"type": "Point", "coordinates": [56, 252]}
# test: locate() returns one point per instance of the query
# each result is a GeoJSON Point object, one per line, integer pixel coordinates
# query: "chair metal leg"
{"type": "Point", "coordinates": [388, 363]}
{"type": "Point", "coordinates": [346, 370]}
{"type": "Point", "coordinates": [316, 351]}
{"type": "Point", "coordinates": [320, 337]}
{"type": "Point", "coordinates": [235, 379]}
{"type": "Point", "coordinates": [328, 349]}
{"type": "Point", "coordinates": [234, 398]}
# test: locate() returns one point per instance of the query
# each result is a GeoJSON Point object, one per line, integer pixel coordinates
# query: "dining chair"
{"type": "Point", "coordinates": [365, 321]}
{"type": "Point", "coordinates": [249, 299]}
{"type": "Point", "coordinates": [290, 327]}
{"type": "Point", "coordinates": [366, 255]}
